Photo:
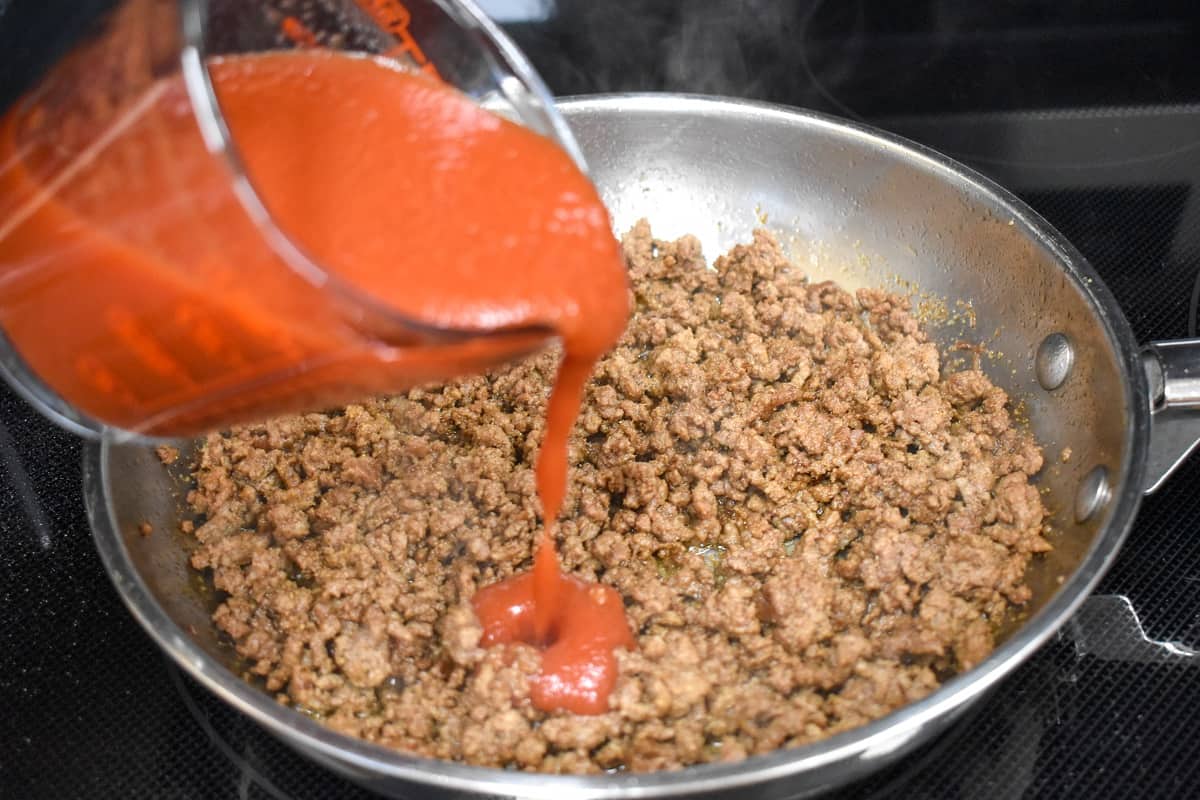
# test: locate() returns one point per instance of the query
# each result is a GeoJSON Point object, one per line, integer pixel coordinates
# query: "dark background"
{"type": "Point", "coordinates": [1089, 110]}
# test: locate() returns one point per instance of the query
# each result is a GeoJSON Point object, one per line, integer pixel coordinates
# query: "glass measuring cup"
{"type": "Point", "coordinates": [214, 317]}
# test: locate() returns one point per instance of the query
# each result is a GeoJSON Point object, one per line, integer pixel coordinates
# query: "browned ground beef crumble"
{"type": "Point", "coordinates": [809, 523]}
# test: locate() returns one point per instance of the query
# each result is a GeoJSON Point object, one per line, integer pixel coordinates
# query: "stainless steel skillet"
{"type": "Point", "coordinates": [858, 206]}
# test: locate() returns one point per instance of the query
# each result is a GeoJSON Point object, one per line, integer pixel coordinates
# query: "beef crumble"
{"type": "Point", "coordinates": [810, 524]}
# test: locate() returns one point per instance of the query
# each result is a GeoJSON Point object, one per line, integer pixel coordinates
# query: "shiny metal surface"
{"type": "Point", "coordinates": [851, 204]}
{"type": "Point", "coordinates": [1053, 362]}
{"type": "Point", "coordinates": [1094, 492]}
{"type": "Point", "coordinates": [1173, 374]}
{"type": "Point", "coordinates": [1107, 626]}
{"type": "Point", "coordinates": [1174, 436]}
{"type": "Point", "coordinates": [1179, 362]}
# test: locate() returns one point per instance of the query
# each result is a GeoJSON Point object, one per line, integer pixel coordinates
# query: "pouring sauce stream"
{"type": "Point", "coordinates": [171, 316]}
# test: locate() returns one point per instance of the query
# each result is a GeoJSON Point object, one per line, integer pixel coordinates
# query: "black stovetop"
{"type": "Point", "coordinates": [1092, 116]}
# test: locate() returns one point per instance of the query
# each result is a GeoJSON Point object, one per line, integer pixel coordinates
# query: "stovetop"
{"type": "Point", "coordinates": [1092, 116]}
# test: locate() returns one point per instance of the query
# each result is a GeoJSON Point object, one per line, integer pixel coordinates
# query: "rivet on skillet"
{"type": "Point", "coordinates": [1055, 357]}
{"type": "Point", "coordinates": [1094, 493]}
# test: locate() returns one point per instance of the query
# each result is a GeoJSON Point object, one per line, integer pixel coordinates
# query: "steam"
{"type": "Point", "coordinates": [747, 49]}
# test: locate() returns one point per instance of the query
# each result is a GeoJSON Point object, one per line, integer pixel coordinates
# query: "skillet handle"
{"type": "Point", "coordinates": [1173, 374]}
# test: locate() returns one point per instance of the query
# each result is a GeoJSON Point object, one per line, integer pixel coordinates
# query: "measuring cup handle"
{"type": "Point", "coordinates": [1173, 375]}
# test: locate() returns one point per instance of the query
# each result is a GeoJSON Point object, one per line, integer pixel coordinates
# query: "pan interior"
{"type": "Point", "coordinates": [849, 207]}
{"type": "Point", "coordinates": [864, 212]}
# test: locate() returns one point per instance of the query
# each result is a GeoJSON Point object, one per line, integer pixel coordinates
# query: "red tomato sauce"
{"type": "Point", "coordinates": [140, 290]}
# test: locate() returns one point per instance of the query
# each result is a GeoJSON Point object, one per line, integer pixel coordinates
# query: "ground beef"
{"type": "Point", "coordinates": [810, 524]}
